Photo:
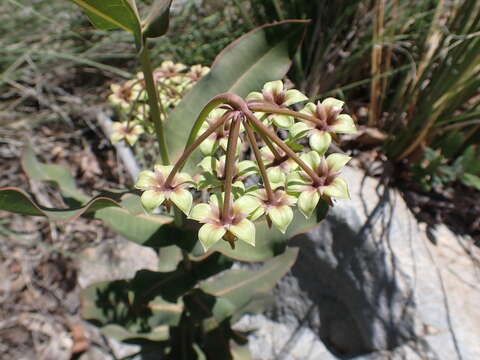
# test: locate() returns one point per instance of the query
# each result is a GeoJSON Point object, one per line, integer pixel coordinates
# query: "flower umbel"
{"type": "Point", "coordinates": [128, 131]}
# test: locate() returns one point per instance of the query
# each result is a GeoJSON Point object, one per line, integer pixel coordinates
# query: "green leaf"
{"type": "Point", "coordinates": [235, 289]}
{"type": "Point", "coordinates": [17, 201]}
{"type": "Point", "coordinates": [262, 55]}
{"type": "Point", "coordinates": [157, 22]}
{"type": "Point", "coordinates": [471, 180]}
{"type": "Point", "coordinates": [112, 14]}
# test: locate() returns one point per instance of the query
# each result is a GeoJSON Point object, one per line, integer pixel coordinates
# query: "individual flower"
{"type": "Point", "coordinates": [327, 120]}
{"type": "Point", "coordinates": [213, 175]}
{"type": "Point", "coordinates": [274, 94]}
{"type": "Point", "coordinates": [156, 191]}
{"type": "Point", "coordinates": [168, 70]}
{"type": "Point", "coordinates": [220, 137]}
{"type": "Point", "coordinates": [124, 95]}
{"type": "Point", "coordinates": [277, 210]}
{"type": "Point", "coordinates": [128, 131]}
{"type": "Point", "coordinates": [330, 185]}
{"type": "Point", "coordinates": [235, 226]}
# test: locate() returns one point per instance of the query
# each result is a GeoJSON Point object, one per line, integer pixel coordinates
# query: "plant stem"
{"type": "Point", "coordinates": [153, 101]}
{"type": "Point", "coordinates": [258, 157]}
{"type": "Point", "coordinates": [268, 133]}
{"type": "Point", "coordinates": [282, 111]}
{"type": "Point", "coordinates": [230, 164]}
{"type": "Point", "coordinates": [188, 151]}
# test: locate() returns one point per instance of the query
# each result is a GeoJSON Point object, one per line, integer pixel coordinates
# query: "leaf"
{"type": "Point", "coordinates": [56, 174]}
{"type": "Point", "coordinates": [17, 201]}
{"type": "Point", "coordinates": [157, 22]}
{"type": "Point", "coordinates": [262, 55]}
{"type": "Point", "coordinates": [112, 14]}
{"type": "Point", "coordinates": [471, 180]}
{"type": "Point", "coordinates": [471, 160]}
{"type": "Point", "coordinates": [235, 289]}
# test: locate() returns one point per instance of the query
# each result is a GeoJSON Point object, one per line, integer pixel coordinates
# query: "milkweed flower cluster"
{"type": "Point", "coordinates": [173, 81]}
{"type": "Point", "coordinates": [261, 160]}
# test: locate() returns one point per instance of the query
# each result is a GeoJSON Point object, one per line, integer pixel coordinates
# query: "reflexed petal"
{"type": "Point", "coordinates": [299, 129]}
{"type": "Point", "coordinates": [273, 87]}
{"type": "Point", "coordinates": [338, 188]}
{"type": "Point", "coordinates": [152, 199]}
{"type": "Point", "coordinates": [255, 96]}
{"type": "Point", "coordinates": [246, 205]}
{"type": "Point", "coordinates": [182, 178]}
{"type": "Point", "coordinates": [146, 179]}
{"type": "Point", "coordinates": [309, 109]}
{"type": "Point", "coordinates": [307, 202]}
{"type": "Point", "coordinates": [296, 183]}
{"type": "Point", "coordinates": [344, 124]}
{"type": "Point", "coordinates": [216, 114]}
{"type": "Point", "coordinates": [337, 161]}
{"type": "Point", "coordinates": [116, 137]}
{"type": "Point", "coordinates": [131, 139]}
{"type": "Point", "coordinates": [245, 231]}
{"type": "Point", "coordinates": [246, 168]}
{"type": "Point", "coordinates": [209, 234]}
{"type": "Point", "coordinates": [201, 212]}
{"type": "Point", "coordinates": [320, 141]}
{"type": "Point", "coordinates": [334, 103]}
{"type": "Point", "coordinates": [118, 126]}
{"type": "Point", "coordinates": [138, 130]}
{"type": "Point", "coordinates": [294, 96]}
{"type": "Point", "coordinates": [183, 199]}
{"type": "Point", "coordinates": [276, 177]}
{"type": "Point", "coordinates": [282, 121]}
{"type": "Point", "coordinates": [312, 159]}
{"type": "Point", "coordinates": [208, 146]}
{"type": "Point", "coordinates": [281, 217]}
{"type": "Point", "coordinates": [208, 164]}
{"type": "Point", "coordinates": [163, 169]}
{"type": "Point", "coordinates": [257, 213]}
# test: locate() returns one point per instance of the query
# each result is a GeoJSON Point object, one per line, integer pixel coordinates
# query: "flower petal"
{"type": "Point", "coordinates": [276, 177]}
{"type": "Point", "coordinates": [116, 137]}
{"type": "Point", "coordinates": [283, 121]}
{"type": "Point", "coordinates": [299, 129]}
{"type": "Point", "coordinates": [201, 212]}
{"type": "Point", "coordinates": [281, 217]}
{"type": "Point", "coordinates": [338, 189]}
{"type": "Point", "coordinates": [209, 164]}
{"type": "Point", "coordinates": [182, 178]}
{"type": "Point", "coordinates": [208, 146]}
{"type": "Point", "coordinates": [246, 205]}
{"type": "Point", "coordinates": [337, 161]}
{"type": "Point", "coordinates": [146, 179]}
{"type": "Point", "coordinates": [254, 97]}
{"type": "Point", "coordinates": [320, 141]}
{"type": "Point", "coordinates": [334, 103]}
{"type": "Point", "coordinates": [163, 169]}
{"type": "Point", "coordinates": [344, 124]}
{"type": "Point", "coordinates": [273, 87]}
{"type": "Point", "coordinates": [209, 234]}
{"type": "Point", "coordinates": [296, 183]}
{"type": "Point", "coordinates": [312, 159]}
{"type": "Point", "coordinates": [309, 109]}
{"type": "Point", "coordinates": [245, 231]}
{"type": "Point", "coordinates": [246, 168]}
{"type": "Point", "coordinates": [294, 96]}
{"type": "Point", "coordinates": [152, 199]}
{"type": "Point", "coordinates": [183, 199]}
{"type": "Point", "coordinates": [307, 202]}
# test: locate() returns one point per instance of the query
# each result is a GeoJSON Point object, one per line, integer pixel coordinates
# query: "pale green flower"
{"type": "Point", "coordinates": [274, 94]}
{"type": "Point", "coordinates": [277, 210]}
{"type": "Point", "coordinates": [156, 192]}
{"type": "Point", "coordinates": [330, 186]}
{"type": "Point", "coordinates": [129, 132]}
{"type": "Point", "coordinates": [329, 121]}
{"type": "Point", "coordinates": [236, 225]}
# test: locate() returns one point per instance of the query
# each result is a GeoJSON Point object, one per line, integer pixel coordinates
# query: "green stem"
{"type": "Point", "coordinates": [188, 151]}
{"type": "Point", "coordinates": [282, 111]}
{"type": "Point", "coordinates": [258, 157]}
{"type": "Point", "coordinates": [267, 132]}
{"type": "Point", "coordinates": [153, 101]}
{"type": "Point", "coordinates": [230, 165]}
